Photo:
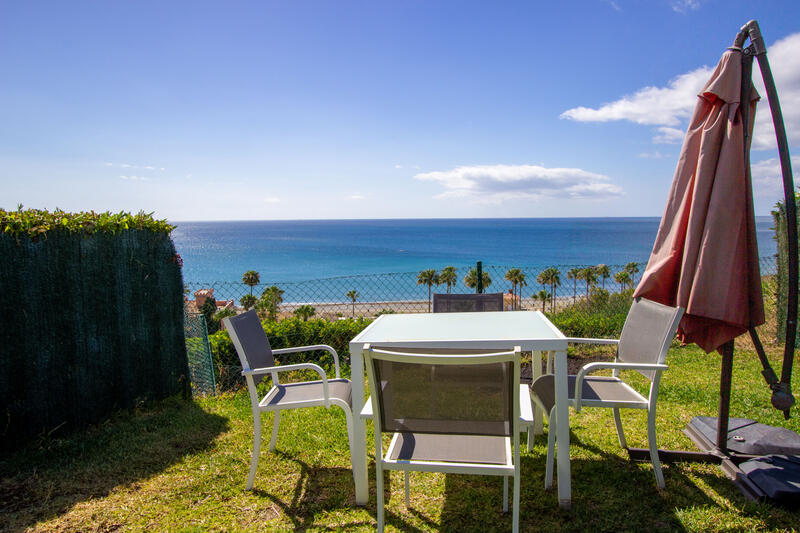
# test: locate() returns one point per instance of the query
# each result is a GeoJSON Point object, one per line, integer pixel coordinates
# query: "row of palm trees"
{"type": "Point", "coordinates": [549, 278]}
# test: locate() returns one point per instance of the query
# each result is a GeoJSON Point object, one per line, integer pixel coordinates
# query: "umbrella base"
{"type": "Point", "coordinates": [745, 437]}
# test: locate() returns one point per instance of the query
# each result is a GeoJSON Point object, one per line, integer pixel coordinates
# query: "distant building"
{"type": "Point", "coordinates": [200, 297]}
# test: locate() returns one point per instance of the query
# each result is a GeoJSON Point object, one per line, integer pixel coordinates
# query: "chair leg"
{"type": "Point", "coordinates": [515, 511]}
{"type": "Point", "coordinates": [651, 438]}
{"type": "Point", "coordinates": [551, 445]}
{"type": "Point", "coordinates": [620, 431]}
{"type": "Point", "coordinates": [531, 437]}
{"type": "Point", "coordinates": [256, 449]}
{"type": "Point", "coordinates": [275, 423]}
{"type": "Point", "coordinates": [405, 480]}
{"type": "Point", "coordinates": [379, 480]}
{"type": "Point", "coordinates": [505, 494]}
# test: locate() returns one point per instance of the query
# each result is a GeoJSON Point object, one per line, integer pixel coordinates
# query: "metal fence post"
{"type": "Point", "coordinates": [479, 284]}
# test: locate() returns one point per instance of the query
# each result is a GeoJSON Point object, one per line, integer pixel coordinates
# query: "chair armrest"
{"type": "Point", "coordinates": [299, 366]}
{"type": "Point", "coordinates": [298, 349]}
{"type": "Point", "coordinates": [591, 367]}
{"type": "Point", "coordinates": [579, 340]}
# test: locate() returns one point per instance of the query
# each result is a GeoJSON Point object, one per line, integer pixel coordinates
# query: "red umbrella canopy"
{"type": "Point", "coordinates": [705, 257]}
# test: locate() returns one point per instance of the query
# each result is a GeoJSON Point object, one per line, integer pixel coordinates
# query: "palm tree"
{"type": "Point", "coordinates": [248, 301]}
{"type": "Point", "coordinates": [430, 278]}
{"type": "Point", "coordinates": [305, 312]}
{"type": "Point", "coordinates": [251, 278]}
{"type": "Point", "coordinates": [604, 272]}
{"type": "Point", "coordinates": [353, 295]}
{"type": "Point", "coordinates": [513, 275]}
{"type": "Point", "coordinates": [543, 296]}
{"type": "Point", "coordinates": [448, 277]}
{"type": "Point", "coordinates": [574, 274]}
{"type": "Point", "coordinates": [590, 277]}
{"type": "Point", "coordinates": [520, 283]}
{"type": "Point", "coordinates": [632, 268]}
{"type": "Point", "coordinates": [471, 279]}
{"type": "Point", "coordinates": [623, 278]}
{"type": "Point", "coordinates": [550, 277]}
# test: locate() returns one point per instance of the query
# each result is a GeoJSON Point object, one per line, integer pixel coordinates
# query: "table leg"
{"type": "Point", "coordinates": [358, 450]}
{"type": "Point", "coordinates": [562, 431]}
{"type": "Point", "coordinates": [538, 414]}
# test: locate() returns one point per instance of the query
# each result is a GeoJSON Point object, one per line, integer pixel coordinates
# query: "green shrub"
{"type": "Point", "coordinates": [296, 332]}
{"type": "Point", "coordinates": [602, 316]}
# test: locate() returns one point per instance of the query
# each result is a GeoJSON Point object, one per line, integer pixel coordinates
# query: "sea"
{"type": "Point", "coordinates": [302, 250]}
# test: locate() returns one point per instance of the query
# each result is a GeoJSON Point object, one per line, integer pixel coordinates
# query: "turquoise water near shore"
{"type": "Point", "coordinates": [299, 250]}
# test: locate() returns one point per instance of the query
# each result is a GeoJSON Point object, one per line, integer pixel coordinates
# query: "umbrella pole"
{"type": "Point", "coordinates": [726, 350]}
{"type": "Point", "coordinates": [782, 398]}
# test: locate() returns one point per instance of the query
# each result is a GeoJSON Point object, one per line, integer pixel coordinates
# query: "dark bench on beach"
{"type": "Point", "coordinates": [462, 303]}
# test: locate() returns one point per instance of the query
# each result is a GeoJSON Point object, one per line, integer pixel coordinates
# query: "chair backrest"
{"type": "Point", "coordinates": [444, 393]}
{"type": "Point", "coordinates": [250, 341]}
{"type": "Point", "coordinates": [463, 303]}
{"type": "Point", "coordinates": [647, 333]}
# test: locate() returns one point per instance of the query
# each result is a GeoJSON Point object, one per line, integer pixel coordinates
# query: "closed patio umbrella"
{"type": "Point", "coordinates": [705, 257]}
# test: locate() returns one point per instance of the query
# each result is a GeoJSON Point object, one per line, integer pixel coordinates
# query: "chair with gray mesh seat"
{"type": "Point", "coordinates": [465, 303]}
{"type": "Point", "coordinates": [642, 346]}
{"type": "Point", "coordinates": [451, 413]}
{"type": "Point", "coordinates": [257, 360]}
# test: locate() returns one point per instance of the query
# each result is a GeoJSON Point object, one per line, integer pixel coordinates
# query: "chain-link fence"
{"type": "Point", "coordinates": [582, 300]}
{"type": "Point", "coordinates": [198, 352]}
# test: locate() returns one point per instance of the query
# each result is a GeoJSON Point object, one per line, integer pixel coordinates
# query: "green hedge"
{"type": "Point", "coordinates": [94, 319]}
{"type": "Point", "coordinates": [295, 332]}
{"type": "Point", "coordinates": [779, 217]}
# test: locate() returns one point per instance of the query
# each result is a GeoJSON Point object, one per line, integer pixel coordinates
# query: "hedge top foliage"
{"type": "Point", "coordinates": [36, 223]}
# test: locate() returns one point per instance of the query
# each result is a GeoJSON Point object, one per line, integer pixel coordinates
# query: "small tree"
{"type": "Point", "coordinates": [471, 279]}
{"type": "Point", "coordinates": [251, 278]}
{"type": "Point", "coordinates": [604, 273]}
{"type": "Point", "coordinates": [623, 278]}
{"type": "Point", "coordinates": [542, 296]}
{"type": "Point", "coordinates": [269, 302]}
{"type": "Point", "coordinates": [632, 268]}
{"type": "Point", "coordinates": [448, 277]}
{"type": "Point", "coordinates": [305, 312]}
{"type": "Point", "coordinates": [208, 310]}
{"type": "Point", "coordinates": [574, 274]}
{"type": "Point", "coordinates": [353, 295]}
{"type": "Point", "coordinates": [248, 301]}
{"type": "Point", "coordinates": [429, 278]}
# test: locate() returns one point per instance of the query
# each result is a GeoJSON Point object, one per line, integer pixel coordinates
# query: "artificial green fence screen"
{"type": "Point", "coordinates": [92, 323]}
{"type": "Point", "coordinates": [779, 216]}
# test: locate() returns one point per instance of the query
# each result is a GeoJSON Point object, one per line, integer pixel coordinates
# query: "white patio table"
{"type": "Point", "coordinates": [530, 330]}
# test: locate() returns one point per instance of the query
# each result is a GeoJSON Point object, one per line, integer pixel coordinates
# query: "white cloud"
{"type": "Point", "coordinates": [651, 106]}
{"type": "Point", "coordinates": [129, 165]}
{"type": "Point", "coordinates": [496, 183]}
{"type": "Point", "coordinates": [667, 135]}
{"type": "Point", "coordinates": [767, 177]}
{"type": "Point", "coordinates": [682, 6]}
{"type": "Point", "coordinates": [398, 166]}
{"type": "Point", "coordinates": [653, 155]}
{"type": "Point", "coordinates": [135, 178]}
{"type": "Point", "coordinates": [356, 197]}
{"type": "Point", "coordinates": [271, 200]}
{"type": "Point", "coordinates": [614, 5]}
{"type": "Point", "coordinates": [670, 107]}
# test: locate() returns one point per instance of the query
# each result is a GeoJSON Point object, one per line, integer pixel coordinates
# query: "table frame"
{"type": "Point", "coordinates": [557, 344]}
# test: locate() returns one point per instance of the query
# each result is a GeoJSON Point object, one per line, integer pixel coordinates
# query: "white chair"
{"type": "Point", "coordinates": [257, 360]}
{"type": "Point", "coordinates": [642, 346]}
{"type": "Point", "coordinates": [451, 413]}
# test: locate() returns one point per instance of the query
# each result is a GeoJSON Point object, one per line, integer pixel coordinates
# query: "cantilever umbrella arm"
{"type": "Point", "coordinates": [782, 398]}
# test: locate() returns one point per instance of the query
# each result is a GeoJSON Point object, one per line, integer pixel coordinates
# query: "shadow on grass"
{"type": "Point", "coordinates": [40, 482]}
{"type": "Point", "coordinates": [318, 489]}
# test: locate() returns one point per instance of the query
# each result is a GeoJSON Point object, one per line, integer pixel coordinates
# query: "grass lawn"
{"type": "Point", "coordinates": [181, 466]}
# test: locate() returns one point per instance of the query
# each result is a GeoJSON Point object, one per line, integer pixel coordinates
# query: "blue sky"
{"type": "Point", "coordinates": [292, 110]}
